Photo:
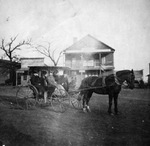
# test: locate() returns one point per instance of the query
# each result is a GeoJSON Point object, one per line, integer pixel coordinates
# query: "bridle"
{"type": "Point", "coordinates": [118, 81]}
{"type": "Point", "coordinates": [131, 77]}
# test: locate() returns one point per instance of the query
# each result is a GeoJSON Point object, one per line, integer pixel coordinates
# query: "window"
{"type": "Point", "coordinates": [24, 77]}
{"type": "Point", "coordinates": [103, 60]}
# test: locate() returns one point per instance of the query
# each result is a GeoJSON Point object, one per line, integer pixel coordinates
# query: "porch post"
{"type": "Point", "coordinates": [16, 78]}
{"type": "Point", "coordinates": [82, 65]}
{"type": "Point", "coordinates": [100, 63]}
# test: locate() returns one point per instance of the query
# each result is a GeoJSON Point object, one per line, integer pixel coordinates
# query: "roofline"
{"type": "Point", "coordinates": [93, 38]}
{"type": "Point", "coordinates": [101, 42]}
{"type": "Point", "coordinates": [31, 58]}
{"type": "Point", "coordinates": [59, 67]}
{"type": "Point", "coordinates": [109, 68]}
{"type": "Point", "coordinates": [7, 63]}
{"type": "Point", "coordinates": [88, 51]}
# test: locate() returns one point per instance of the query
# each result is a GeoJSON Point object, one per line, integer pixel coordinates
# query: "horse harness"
{"type": "Point", "coordinates": [103, 83]}
{"type": "Point", "coordinates": [117, 80]}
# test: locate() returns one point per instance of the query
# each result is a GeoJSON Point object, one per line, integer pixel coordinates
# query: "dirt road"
{"type": "Point", "coordinates": [43, 127]}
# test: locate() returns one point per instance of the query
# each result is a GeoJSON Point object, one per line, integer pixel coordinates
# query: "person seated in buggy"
{"type": "Point", "coordinates": [45, 84]}
{"type": "Point", "coordinates": [52, 86]}
{"type": "Point", "coordinates": [61, 79]}
{"type": "Point", "coordinates": [37, 82]}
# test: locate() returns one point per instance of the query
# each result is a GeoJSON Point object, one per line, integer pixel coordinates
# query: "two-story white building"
{"type": "Point", "coordinates": [88, 57]}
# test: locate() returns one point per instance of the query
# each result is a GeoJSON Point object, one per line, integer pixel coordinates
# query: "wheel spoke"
{"type": "Point", "coordinates": [60, 101]}
{"type": "Point", "coordinates": [26, 97]}
{"type": "Point", "coordinates": [76, 101]}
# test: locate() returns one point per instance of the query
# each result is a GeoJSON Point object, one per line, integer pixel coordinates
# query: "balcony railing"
{"type": "Point", "coordinates": [88, 65]}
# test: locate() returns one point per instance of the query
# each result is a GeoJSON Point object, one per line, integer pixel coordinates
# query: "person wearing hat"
{"type": "Point", "coordinates": [36, 81]}
{"type": "Point", "coordinates": [50, 85]}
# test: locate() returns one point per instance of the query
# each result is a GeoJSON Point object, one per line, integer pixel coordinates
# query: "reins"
{"type": "Point", "coordinates": [89, 88]}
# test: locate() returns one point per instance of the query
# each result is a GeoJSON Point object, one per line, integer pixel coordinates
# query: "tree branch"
{"type": "Point", "coordinates": [46, 51]}
{"type": "Point", "coordinates": [9, 49]}
{"type": "Point", "coordinates": [20, 44]}
{"type": "Point", "coordinates": [60, 55]}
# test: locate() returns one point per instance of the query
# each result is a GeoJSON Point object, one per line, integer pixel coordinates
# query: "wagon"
{"type": "Point", "coordinates": [28, 97]}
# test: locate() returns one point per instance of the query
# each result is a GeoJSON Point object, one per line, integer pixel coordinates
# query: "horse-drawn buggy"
{"type": "Point", "coordinates": [60, 98]}
{"type": "Point", "coordinates": [44, 88]}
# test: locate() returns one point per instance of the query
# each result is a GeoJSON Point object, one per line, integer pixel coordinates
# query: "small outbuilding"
{"type": "Point", "coordinates": [34, 65]}
{"type": "Point", "coordinates": [8, 72]}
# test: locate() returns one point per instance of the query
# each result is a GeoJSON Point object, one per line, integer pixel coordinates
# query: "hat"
{"type": "Point", "coordinates": [44, 72]}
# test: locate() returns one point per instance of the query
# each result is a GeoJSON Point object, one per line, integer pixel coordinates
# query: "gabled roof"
{"type": "Point", "coordinates": [89, 44]}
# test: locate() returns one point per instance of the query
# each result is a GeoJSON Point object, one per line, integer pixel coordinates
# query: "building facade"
{"type": "Point", "coordinates": [8, 72]}
{"type": "Point", "coordinates": [22, 74]}
{"type": "Point", "coordinates": [138, 75]}
{"type": "Point", "coordinates": [89, 57]}
{"type": "Point", "coordinates": [34, 65]}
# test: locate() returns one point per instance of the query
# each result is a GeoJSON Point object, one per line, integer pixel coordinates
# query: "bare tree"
{"type": "Point", "coordinates": [9, 47]}
{"type": "Point", "coordinates": [50, 53]}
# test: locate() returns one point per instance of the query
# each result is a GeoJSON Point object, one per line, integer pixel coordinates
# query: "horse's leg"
{"type": "Point", "coordinates": [89, 94]}
{"type": "Point", "coordinates": [83, 100]}
{"type": "Point", "coordinates": [84, 103]}
{"type": "Point", "coordinates": [116, 103]}
{"type": "Point", "coordinates": [45, 96]}
{"type": "Point", "coordinates": [86, 99]}
{"type": "Point", "coordinates": [110, 103]}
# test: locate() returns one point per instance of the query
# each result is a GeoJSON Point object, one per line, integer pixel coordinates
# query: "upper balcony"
{"type": "Point", "coordinates": [89, 65]}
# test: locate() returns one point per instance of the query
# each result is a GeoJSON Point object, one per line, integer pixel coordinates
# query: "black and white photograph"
{"type": "Point", "coordinates": [74, 72]}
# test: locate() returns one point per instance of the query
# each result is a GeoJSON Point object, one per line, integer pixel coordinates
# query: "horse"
{"type": "Point", "coordinates": [110, 85]}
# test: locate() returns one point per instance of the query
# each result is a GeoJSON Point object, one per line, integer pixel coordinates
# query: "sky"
{"type": "Point", "coordinates": [122, 24]}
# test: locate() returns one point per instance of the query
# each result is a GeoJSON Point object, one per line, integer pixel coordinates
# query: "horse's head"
{"type": "Point", "coordinates": [130, 79]}
{"type": "Point", "coordinates": [128, 76]}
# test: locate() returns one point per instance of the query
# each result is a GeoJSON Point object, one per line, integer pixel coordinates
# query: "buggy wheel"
{"type": "Point", "coordinates": [60, 102]}
{"type": "Point", "coordinates": [26, 97]}
{"type": "Point", "coordinates": [76, 101]}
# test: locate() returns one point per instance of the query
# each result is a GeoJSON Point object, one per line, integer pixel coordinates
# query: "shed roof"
{"type": "Point", "coordinates": [31, 58]}
{"type": "Point", "coordinates": [50, 67]}
{"type": "Point", "coordinates": [89, 44]}
{"type": "Point", "coordinates": [8, 64]}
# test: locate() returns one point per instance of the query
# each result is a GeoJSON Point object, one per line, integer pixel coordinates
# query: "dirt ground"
{"type": "Point", "coordinates": [43, 127]}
